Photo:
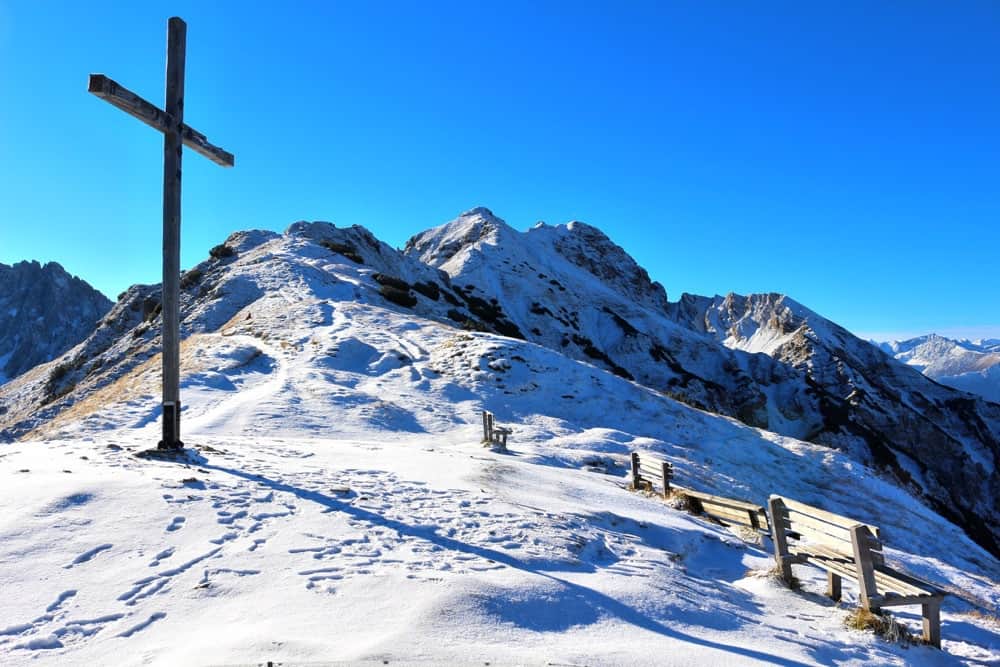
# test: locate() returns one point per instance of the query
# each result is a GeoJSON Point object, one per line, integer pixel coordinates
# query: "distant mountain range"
{"type": "Point", "coordinates": [44, 311]}
{"type": "Point", "coordinates": [972, 366]}
{"type": "Point", "coordinates": [762, 359]}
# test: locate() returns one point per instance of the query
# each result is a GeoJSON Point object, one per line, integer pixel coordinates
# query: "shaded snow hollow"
{"type": "Point", "coordinates": [342, 508]}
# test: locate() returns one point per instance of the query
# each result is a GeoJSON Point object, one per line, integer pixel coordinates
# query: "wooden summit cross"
{"type": "Point", "coordinates": [169, 121]}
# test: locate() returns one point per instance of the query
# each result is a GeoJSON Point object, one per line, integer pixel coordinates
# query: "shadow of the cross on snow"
{"type": "Point", "coordinates": [597, 600]}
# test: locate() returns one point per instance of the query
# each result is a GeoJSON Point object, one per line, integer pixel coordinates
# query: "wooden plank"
{"type": "Point", "coordinates": [666, 474]}
{"type": "Point", "coordinates": [726, 502]}
{"type": "Point", "coordinates": [636, 477]}
{"type": "Point", "coordinates": [174, 108]}
{"type": "Point", "coordinates": [776, 507]}
{"type": "Point", "coordinates": [911, 580]}
{"type": "Point", "coordinates": [726, 515]}
{"type": "Point", "coordinates": [813, 542]}
{"type": "Point", "coordinates": [901, 600]}
{"type": "Point", "coordinates": [200, 144]}
{"type": "Point", "coordinates": [828, 517]}
{"type": "Point", "coordinates": [650, 468]}
{"type": "Point", "coordinates": [888, 585]}
{"type": "Point", "coordinates": [121, 97]}
{"type": "Point", "coordinates": [812, 526]}
{"type": "Point", "coordinates": [833, 588]}
{"type": "Point", "coordinates": [932, 623]}
{"type": "Point", "coordinates": [864, 566]}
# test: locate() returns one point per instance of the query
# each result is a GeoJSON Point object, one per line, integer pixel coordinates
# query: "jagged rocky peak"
{"type": "Point", "coordinates": [43, 312]}
{"type": "Point", "coordinates": [590, 249]}
{"type": "Point", "coordinates": [736, 319]}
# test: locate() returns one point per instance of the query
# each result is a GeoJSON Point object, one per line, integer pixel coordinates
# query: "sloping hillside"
{"type": "Point", "coordinates": [340, 506]}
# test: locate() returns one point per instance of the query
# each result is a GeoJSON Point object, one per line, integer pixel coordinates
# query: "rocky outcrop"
{"type": "Point", "coordinates": [44, 311]}
{"type": "Point", "coordinates": [940, 443]}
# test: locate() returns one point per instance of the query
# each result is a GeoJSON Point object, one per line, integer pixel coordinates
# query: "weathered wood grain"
{"type": "Point", "coordinates": [119, 96]}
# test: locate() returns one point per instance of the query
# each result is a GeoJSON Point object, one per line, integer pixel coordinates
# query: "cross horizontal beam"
{"type": "Point", "coordinates": [118, 95]}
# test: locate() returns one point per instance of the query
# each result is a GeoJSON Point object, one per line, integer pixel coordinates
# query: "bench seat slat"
{"type": "Point", "coordinates": [886, 581]}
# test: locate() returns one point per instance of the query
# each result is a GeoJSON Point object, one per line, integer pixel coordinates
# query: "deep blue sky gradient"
{"type": "Point", "coordinates": [847, 154]}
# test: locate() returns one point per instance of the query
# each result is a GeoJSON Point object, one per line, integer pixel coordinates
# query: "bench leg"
{"type": "Point", "coordinates": [833, 586]}
{"type": "Point", "coordinates": [932, 623]}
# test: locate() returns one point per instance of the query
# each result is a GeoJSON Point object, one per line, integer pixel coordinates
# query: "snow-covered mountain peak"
{"type": "Point", "coordinates": [461, 240]}
{"type": "Point", "coordinates": [972, 366]}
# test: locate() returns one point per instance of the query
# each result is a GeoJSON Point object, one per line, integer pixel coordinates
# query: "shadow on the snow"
{"type": "Point", "coordinates": [589, 605]}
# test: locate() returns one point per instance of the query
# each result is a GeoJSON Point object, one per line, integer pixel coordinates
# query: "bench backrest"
{"type": "Point", "coordinates": [648, 472]}
{"type": "Point", "coordinates": [729, 511]}
{"type": "Point", "coordinates": [812, 525]}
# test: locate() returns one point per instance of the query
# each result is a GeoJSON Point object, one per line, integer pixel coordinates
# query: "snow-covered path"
{"type": "Point", "coordinates": [237, 410]}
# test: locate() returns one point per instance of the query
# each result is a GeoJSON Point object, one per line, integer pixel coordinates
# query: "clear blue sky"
{"type": "Point", "coordinates": [847, 154]}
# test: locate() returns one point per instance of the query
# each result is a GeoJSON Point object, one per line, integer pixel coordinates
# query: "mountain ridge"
{"type": "Point", "coordinates": [547, 285]}
{"type": "Point", "coordinates": [971, 366]}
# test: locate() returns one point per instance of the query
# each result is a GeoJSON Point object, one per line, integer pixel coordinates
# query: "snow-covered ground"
{"type": "Point", "coordinates": [341, 508]}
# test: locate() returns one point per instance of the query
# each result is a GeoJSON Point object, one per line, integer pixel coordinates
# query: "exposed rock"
{"type": "Point", "coordinates": [44, 311]}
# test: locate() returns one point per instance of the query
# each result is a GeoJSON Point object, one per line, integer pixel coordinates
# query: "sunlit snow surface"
{"type": "Point", "coordinates": [342, 509]}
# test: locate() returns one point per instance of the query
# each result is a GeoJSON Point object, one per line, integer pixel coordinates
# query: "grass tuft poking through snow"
{"type": "Point", "coordinates": [883, 624]}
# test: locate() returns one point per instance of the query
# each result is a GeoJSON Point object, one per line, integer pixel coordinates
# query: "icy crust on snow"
{"type": "Point", "coordinates": [343, 509]}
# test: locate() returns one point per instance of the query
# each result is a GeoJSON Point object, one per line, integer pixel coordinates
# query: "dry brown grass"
{"type": "Point", "coordinates": [143, 380]}
{"type": "Point", "coordinates": [882, 624]}
{"type": "Point", "coordinates": [983, 617]}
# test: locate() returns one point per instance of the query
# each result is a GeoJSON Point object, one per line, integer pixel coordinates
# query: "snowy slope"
{"type": "Point", "coordinates": [972, 366]}
{"type": "Point", "coordinates": [764, 359]}
{"type": "Point", "coordinates": [341, 508]}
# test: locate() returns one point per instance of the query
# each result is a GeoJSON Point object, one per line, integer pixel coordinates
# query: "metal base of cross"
{"type": "Point", "coordinates": [171, 427]}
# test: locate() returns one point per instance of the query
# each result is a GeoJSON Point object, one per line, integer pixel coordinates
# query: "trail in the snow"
{"type": "Point", "coordinates": [235, 414]}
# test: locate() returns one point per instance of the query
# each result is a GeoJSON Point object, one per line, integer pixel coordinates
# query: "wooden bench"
{"type": "Point", "coordinates": [845, 547]}
{"type": "Point", "coordinates": [493, 434]}
{"type": "Point", "coordinates": [647, 471]}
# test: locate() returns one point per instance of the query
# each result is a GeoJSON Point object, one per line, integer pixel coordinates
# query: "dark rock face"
{"type": "Point", "coordinates": [940, 443]}
{"type": "Point", "coordinates": [44, 311]}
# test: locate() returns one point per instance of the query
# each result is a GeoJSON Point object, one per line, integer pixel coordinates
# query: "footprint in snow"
{"type": "Point", "coordinates": [143, 625]}
{"type": "Point", "coordinates": [162, 556]}
{"type": "Point", "coordinates": [87, 555]}
{"type": "Point", "coordinates": [176, 524]}
{"type": "Point", "coordinates": [65, 595]}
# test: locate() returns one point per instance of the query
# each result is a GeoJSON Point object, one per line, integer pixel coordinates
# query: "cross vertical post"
{"type": "Point", "coordinates": [176, 135]}
{"type": "Point", "coordinates": [172, 144]}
